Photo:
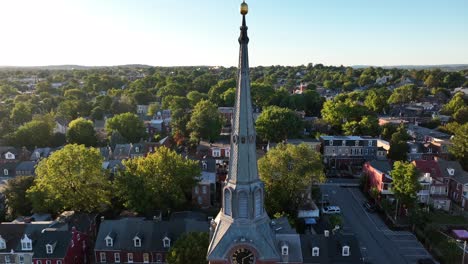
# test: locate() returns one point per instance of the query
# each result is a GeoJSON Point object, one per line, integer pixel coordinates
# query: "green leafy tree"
{"type": "Point", "coordinates": [376, 100]}
{"type": "Point", "coordinates": [81, 131]}
{"type": "Point", "coordinates": [218, 89]}
{"type": "Point", "coordinates": [388, 130]}
{"type": "Point", "coordinates": [205, 122]}
{"type": "Point", "coordinates": [405, 183]}
{"type": "Point", "coordinates": [432, 81]}
{"type": "Point", "coordinates": [188, 248]}
{"type": "Point", "coordinates": [161, 180]}
{"type": "Point", "coordinates": [455, 104]}
{"type": "Point", "coordinates": [288, 171]}
{"type": "Point", "coordinates": [195, 97]}
{"type": "Point", "coordinates": [459, 146]}
{"type": "Point", "coordinates": [368, 126]}
{"type": "Point", "coordinates": [262, 94]}
{"type": "Point", "coordinates": [403, 94]}
{"type": "Point", "coordinates": [35, 133]}
{"type": "Point", "coordinates": [398, 145]}
{"type": "Point", "coordinates": [277, 124]}
{"type": "Point", "coordinates": [15, 196]}
{"type": "Point", "coordinates": [153, 109]}
{"type": "Point", "coordinates": [70, 179]}
{"type": "Point", "coordinates": [229, 97]}
{"type": "Point", "coordinates": [128, 125]}
{"type": "Point", "coordinates": [75, 94]}
{"type": "Point", "coordinates": [21, 113]}
{"type": "Point", "coordinates": [461, 116]}
{"type": "Point", "coordinates": [336, 112]}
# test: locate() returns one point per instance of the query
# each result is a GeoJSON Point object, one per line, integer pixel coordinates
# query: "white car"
{"type": "Point", "coordinates": [331, 210]}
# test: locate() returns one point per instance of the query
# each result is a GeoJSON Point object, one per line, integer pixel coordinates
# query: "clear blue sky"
{"type": "Point", "coordinates": [188, 32]}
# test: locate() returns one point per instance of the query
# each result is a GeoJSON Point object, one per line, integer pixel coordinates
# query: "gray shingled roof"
{"type": "Point", "coordinates": [460, 175]}
{"type": "Point", "coordinates": [151, 233]}
{"type": "Point", "coordinates": [330, 249]}
{"type": "Point", "coordinates": [60, 241]}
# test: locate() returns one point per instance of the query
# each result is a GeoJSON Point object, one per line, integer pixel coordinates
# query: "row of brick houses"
{"type": "Point", "coordinates": [68, 239]}
{"type": "Point", "coordinates": [443, 182]}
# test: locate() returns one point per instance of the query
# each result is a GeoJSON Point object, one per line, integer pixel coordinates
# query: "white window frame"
{"type": "Point", "coordinates": [345, 251]}
{"type": "Point", "coordinates": [130, 257]}
{"type": "Point", "coordinates": [137, 242]}
{"type": "Point", "coordinates": [197, 190]}
{"type": "Point", "coordinates": [102, 257]}
{"type": "Point", "coordinates": [2, 243]}
{"type": "Point", "coordinates": [216, 153]}
{"type": "Point", "coordinates": [204, 189]}
{"type": "Point", "coordinates": [8, 260]}
{"type": "Point", "coordinates": [49, 249]}
{"type": "Point", "coordinates": [59, 262]}
{"type": "Point", "coordinates": [145, 258]}
{"type": "Point", "coordinates": [117, 257]}
{"type": "Point", "coordinates": [5, 172]}
{"type": "Point", "coordinates": [109, 242]}
{"type": "Point", "coordinates": [39, 262]}
{"type": "Point", "coordinates": [284, 250]}
{"type": "Point", "coordinates": [26, 243]}
{"type": "Point", "coordinates": [315, 252]}
{"type": "Point", "coordinates": [21, 259]}
{"type": "Point", "coordinates": [48, 262]}
{"type": "Point", "coordinates": [166, 242]}
{"type": "Point", "coordinates": [369, 144]}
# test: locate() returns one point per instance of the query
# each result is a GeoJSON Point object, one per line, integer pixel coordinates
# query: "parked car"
{"type": "Point", "coordinates": [331, 210]}
{"type": "Point", "coordinates": [369, 207]}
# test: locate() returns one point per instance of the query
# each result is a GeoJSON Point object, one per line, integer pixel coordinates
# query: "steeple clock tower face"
{"type": "Point", "coordinates": [243, 256]}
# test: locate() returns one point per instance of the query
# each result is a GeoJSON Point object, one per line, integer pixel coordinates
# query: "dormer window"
{"type": "Point", "coordinates": [26, 243]}
{"type": "Point", "coordinates": [109, 241]}
{"type": "Point", "coordinates": [49, 249]}
{"type": "Point", "coordinates": [166, 242]}
{"type": "Point", "coordinates": [315, 252]}
{"type": "Point", "coordinates": [2, 243]}
{"type": "Point", "coordinates": [9, 156]}
{"type": "Point", "coordinates": [137, 242]}
{"type": "Point", "coordinates": [451, 171]}
{"type": "Point", "coordinates": [330, 143]}
{"type": "Point", "coordinates": [345, 251]}
{"type": "Point", "coordinates": [356, 143]}
{"type": "Point", "coordinates": [343, 143]}
{"type": "Point", "coordinates": [205, 166]}
{"type": "Point", "coordinates": [285, 250]}
{"type": "Point", "coordinates": [5, 172]}
{"type": "Point", "coordinates": [137, 149]}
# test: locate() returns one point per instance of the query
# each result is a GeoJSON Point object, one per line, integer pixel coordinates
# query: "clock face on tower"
{"type": "Point", "coordinates": [243, 256]}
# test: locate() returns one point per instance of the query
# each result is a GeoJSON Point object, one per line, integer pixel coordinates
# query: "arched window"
{"type": "Point", "coordinates": [243, 205]}
{"type": "Point", "coordinates": [258, 203]}
{"type": "Point", "coordinates": [227, 202]}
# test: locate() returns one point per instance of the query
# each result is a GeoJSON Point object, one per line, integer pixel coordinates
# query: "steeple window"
{"type": "Point", "coordinates": [243, 205]}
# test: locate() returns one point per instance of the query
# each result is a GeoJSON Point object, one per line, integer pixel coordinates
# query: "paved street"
{"type": "Point", "coordinates": [378, 243]}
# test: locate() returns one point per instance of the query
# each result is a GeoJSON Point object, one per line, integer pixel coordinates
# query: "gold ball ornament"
{"type": "Point", "coordinates": [244, 8]}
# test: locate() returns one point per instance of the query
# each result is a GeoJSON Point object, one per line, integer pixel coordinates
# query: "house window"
{"type": "Point", "coordinates": [227, 202]}
{"type": "Point", "coordinates": [26, 243]}
{"type": "Point", "coordinates": [137, 149]}
{"type": "Point", "coordinates": [49, 249]}
{"type": "Point", "coordinates": [330, 142]}
{"type": "Point", "coordinates": [227, 152]}
{"type": "Point", "coordinates": [204, 191]}
{"type": "Point", "coordinates": [130, 257]}
{"type": "Point", "coordinates": [196, 190]}
{"type": "Point", "coordinates": [284, 250]}
{"type": "Point", "coordinates": [216, 153]}
{"type": "Point", "coordinates": [38, 262]}
{"type": "Point", "coordinates": [158, 258]}
{"type": "Point", "coordinates": [137, 242]}
{"type": "Point", "coordinates": [343, 143]}
{"type": "Point", "coordinates": [59, 262]}
{"type": "Point", "coordinates": [48, 262]}
{"type": "Point", "coordinates": [5, 172]}
{"type": "Point", "coordinates": [21, 259]}
{"type": "Point", "coordinates": [117, 257]}
{"type": "Point", "coordinates": [369, 143]}
{"type": "Point", "coordinates": [7, 259]}
{"type": "Point", "coordinates": [258, 203]}
{"type": "Point", "coordinates": [199, 200]}
{"type": "Point", "coordinates": [345, 251]}
{"type": "Point", "coordinates": [167, 242]}
{"type": "Point", "coordinates": [243, 205]}
{"type": "Point", "coordinates": [356, 143]}
{"type": "Point", "coordinates": [2, 243]}
{"type": "Point", "coordinates": [102, 256]}
{"type": "Point", "coordinates": [205, 166]}
{"type": "Point", "coordinates": [109, 242]}
{"type": "Point", "coordinates": [145, 258]}
{"type": "Point", "coordinates": [315, 252]}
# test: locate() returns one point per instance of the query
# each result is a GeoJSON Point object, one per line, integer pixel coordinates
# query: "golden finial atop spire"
{"type": "Point", "coordinates": [244, 9]}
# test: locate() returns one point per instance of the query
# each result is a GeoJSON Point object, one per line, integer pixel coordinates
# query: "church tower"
{"type": "Point", "coordinates": [241, 232]}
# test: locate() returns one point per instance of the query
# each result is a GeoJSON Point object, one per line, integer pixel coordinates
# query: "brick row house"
{"type": "Point", "coordinates": [137, 240]}
{"type": "Point", "coordinates": [67, 240]}
{"type": "Point", "coordinates": [339, 152]}
{"type": "Point", "coordinates": [443, 182]}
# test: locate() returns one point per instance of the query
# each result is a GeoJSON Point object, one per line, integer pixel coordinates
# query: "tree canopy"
{"type": "Point", "coordinates": [205, 122]}
{"type": "Point", "coordinates": [128, 125]}
{"type": "Point", "coordinates": [277, 124]}
{"type": "Point", "coordinates": [81, 131]}
{"type": "Point", "coordinates": [405, 184]}
{"type": "Point", "coordinates": [188, 248]}
{"type": "Point", "coordinates": [288, 171]}
{"type": "Point", "coordinates": [70, 179]}
{"type": "Point", "coordinates": [161, 180]}
{"type": "Point", "coordinates": [15, 196]}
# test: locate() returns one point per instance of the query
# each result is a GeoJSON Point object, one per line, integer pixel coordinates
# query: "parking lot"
{"type": "Point", "coordinates": [378, 243]}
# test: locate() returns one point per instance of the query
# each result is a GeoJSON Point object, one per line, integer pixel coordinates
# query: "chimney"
{"type": "Point", "coordinates": [102, 218]}
{"type": "Point", "coordinates": [326, 233]}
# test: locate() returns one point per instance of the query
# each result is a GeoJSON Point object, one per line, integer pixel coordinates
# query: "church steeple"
{"type": "Point", "coordinates": [243, 163]}
{"type": "Point", "coordinates": [241, 232]}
